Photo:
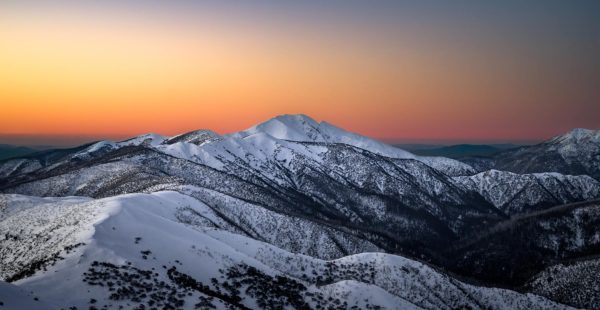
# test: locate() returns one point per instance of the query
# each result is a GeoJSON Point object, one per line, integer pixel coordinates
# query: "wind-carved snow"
{"type": "Point", "coordinates": [114, 243]}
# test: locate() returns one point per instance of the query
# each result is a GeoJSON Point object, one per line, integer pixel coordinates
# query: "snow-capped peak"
{"type": "Point", "coordinates": [299, 127]}
{"type": "Point", "coordinates": [579, 135]}
{"type": "Point", "coordinates": [302, 128]}
{"type": "Point", "coordinates": [261, 141]}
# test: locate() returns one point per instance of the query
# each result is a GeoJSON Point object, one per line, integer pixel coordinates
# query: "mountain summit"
{"type": "Point", "coordinates": [576, 152]}
{"type": "Point", "coordinates": [302, 128]}
{"type": "Point", "coordinates": [579, 134]}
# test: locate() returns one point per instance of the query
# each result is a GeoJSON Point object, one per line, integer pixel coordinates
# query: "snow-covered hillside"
{"type": "Point", "coordinates": [573, 282]}
{"type": "Point", "coordinates": [15, 298]}
{"type": "Point", "coordinates": [576, 152]}
{"type": "Point", "coordinates": [389, 203]}
{"type": "Point", "coordinates": [300, 208]}
{"type": "Point", "coordinates": [514, 251]}
{"type": "Point", "coordinates": [135, 250]}
{"type": "Point", "coordinates": [302, 128]}
{"type": "Point", "coordinates": [520, 193]}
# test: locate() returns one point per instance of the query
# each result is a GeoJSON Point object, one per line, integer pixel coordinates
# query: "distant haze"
{"type": "Point", "coordinates": [51, 141]}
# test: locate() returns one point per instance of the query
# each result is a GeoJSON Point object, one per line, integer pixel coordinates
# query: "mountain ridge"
{"type": "Point", "coordinates": [310, 188]}
{"type": "Point", "coordinates": [576, 152]}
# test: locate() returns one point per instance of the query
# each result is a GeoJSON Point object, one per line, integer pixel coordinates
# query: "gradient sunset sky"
{"type": "Point", "coordinates": [455, 71]}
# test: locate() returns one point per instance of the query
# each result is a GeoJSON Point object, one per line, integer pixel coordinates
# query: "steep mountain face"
{"type": "Point", "coordinates": [137, 250]}
{"type": "Point", "coordinates": [398, 203]}
{"type": "Point", "coordinates": [574, 153]}
{"type": "Point", "coordinates": [305, 190]}
{"type": "Point", "coordinates": [522, 193]}
{"type": "Point", "coordinates": [345, 188]}
{"type": "Point", "coordinates": [302, 128]}
{"type": "Point", "coordinates": [574, 282]}
{"type": "Point", "coordinates": [32, 162]}
{"type": "Point", "coordinates": [512, 251]}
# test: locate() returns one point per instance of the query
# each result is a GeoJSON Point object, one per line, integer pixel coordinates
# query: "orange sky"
{"type": "Point", "coordinates": [113, 73]}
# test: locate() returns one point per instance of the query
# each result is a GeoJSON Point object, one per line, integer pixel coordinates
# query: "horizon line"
{"type": "Point", "coordinates": [74, 140]}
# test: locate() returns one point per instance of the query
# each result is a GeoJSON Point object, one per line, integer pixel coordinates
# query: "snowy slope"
{"type": "Point", "coordinates": [304, 129]}
{"type": "Point", "coordinates": [519, 193]}
{"type": "Point", "coordinates": [303, 190]}
{"type": "Point", "coordinates": [576, 152]}
{"type": "Point", "coordinates": [396, 204]}
{"type": "Point", "coordinates": [574, 282]}
{"type": "Point", "coordinates": [197, 137]}
{"type": "Point", "coordinates": [132, 249]}
{"type": "Point", "coordinates": [15, 298]}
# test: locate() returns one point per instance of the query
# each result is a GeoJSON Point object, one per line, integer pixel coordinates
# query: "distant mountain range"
{"type": "Point", "coordinates": [8, 151]}
{"type": "Point", "coordinates": [299, 213]}
{"type": "Point", "coordinates": [457, 151]}
{"type": "Point", "coordinates": [576, 152]}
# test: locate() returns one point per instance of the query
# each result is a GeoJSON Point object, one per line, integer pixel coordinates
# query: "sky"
{"type": "Point", "coordinates": [400, 71]}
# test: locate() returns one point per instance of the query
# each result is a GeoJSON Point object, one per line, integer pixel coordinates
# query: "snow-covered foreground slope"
{"type": "Point", "coordinates": [139, 249]}
{"type": "Point", "coordinates": [13, 297]}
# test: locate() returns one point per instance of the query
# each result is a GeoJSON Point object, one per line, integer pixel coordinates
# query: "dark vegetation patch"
{"type": "Point", "coordinates": [134, 285]}
{"type": "Point", "coordinates": [511, 252]}
{"type": "Point", "coordinates": [41, 264]}
{"type": "Point", "coordinates": [147, 289]}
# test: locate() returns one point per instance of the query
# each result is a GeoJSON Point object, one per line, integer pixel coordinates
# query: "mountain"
{"type": "Point", "coordinates": [307, 190]}
{"type": "Point", "coordinates": [513, 251]}
{"type": "Point", "coordinates": [342, 186]}
{"type": "Point", "coordinates": [575, 153]}
{"type": "Point", "coordinates": [572, 282]}
{"type": "Point", "coordinates": [461, 150]}
{"type": "Point", "coordinates": [523, 193]}
{"type": "Point", "coordinates": [301, 128]}
{"type": "Point", "coordinates": [9, 151]}
{"type": "Point", "coordinates": [142, 250]}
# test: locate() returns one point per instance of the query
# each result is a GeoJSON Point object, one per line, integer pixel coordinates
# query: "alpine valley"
{"type": "Point", "coordinates": [299, 214]}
